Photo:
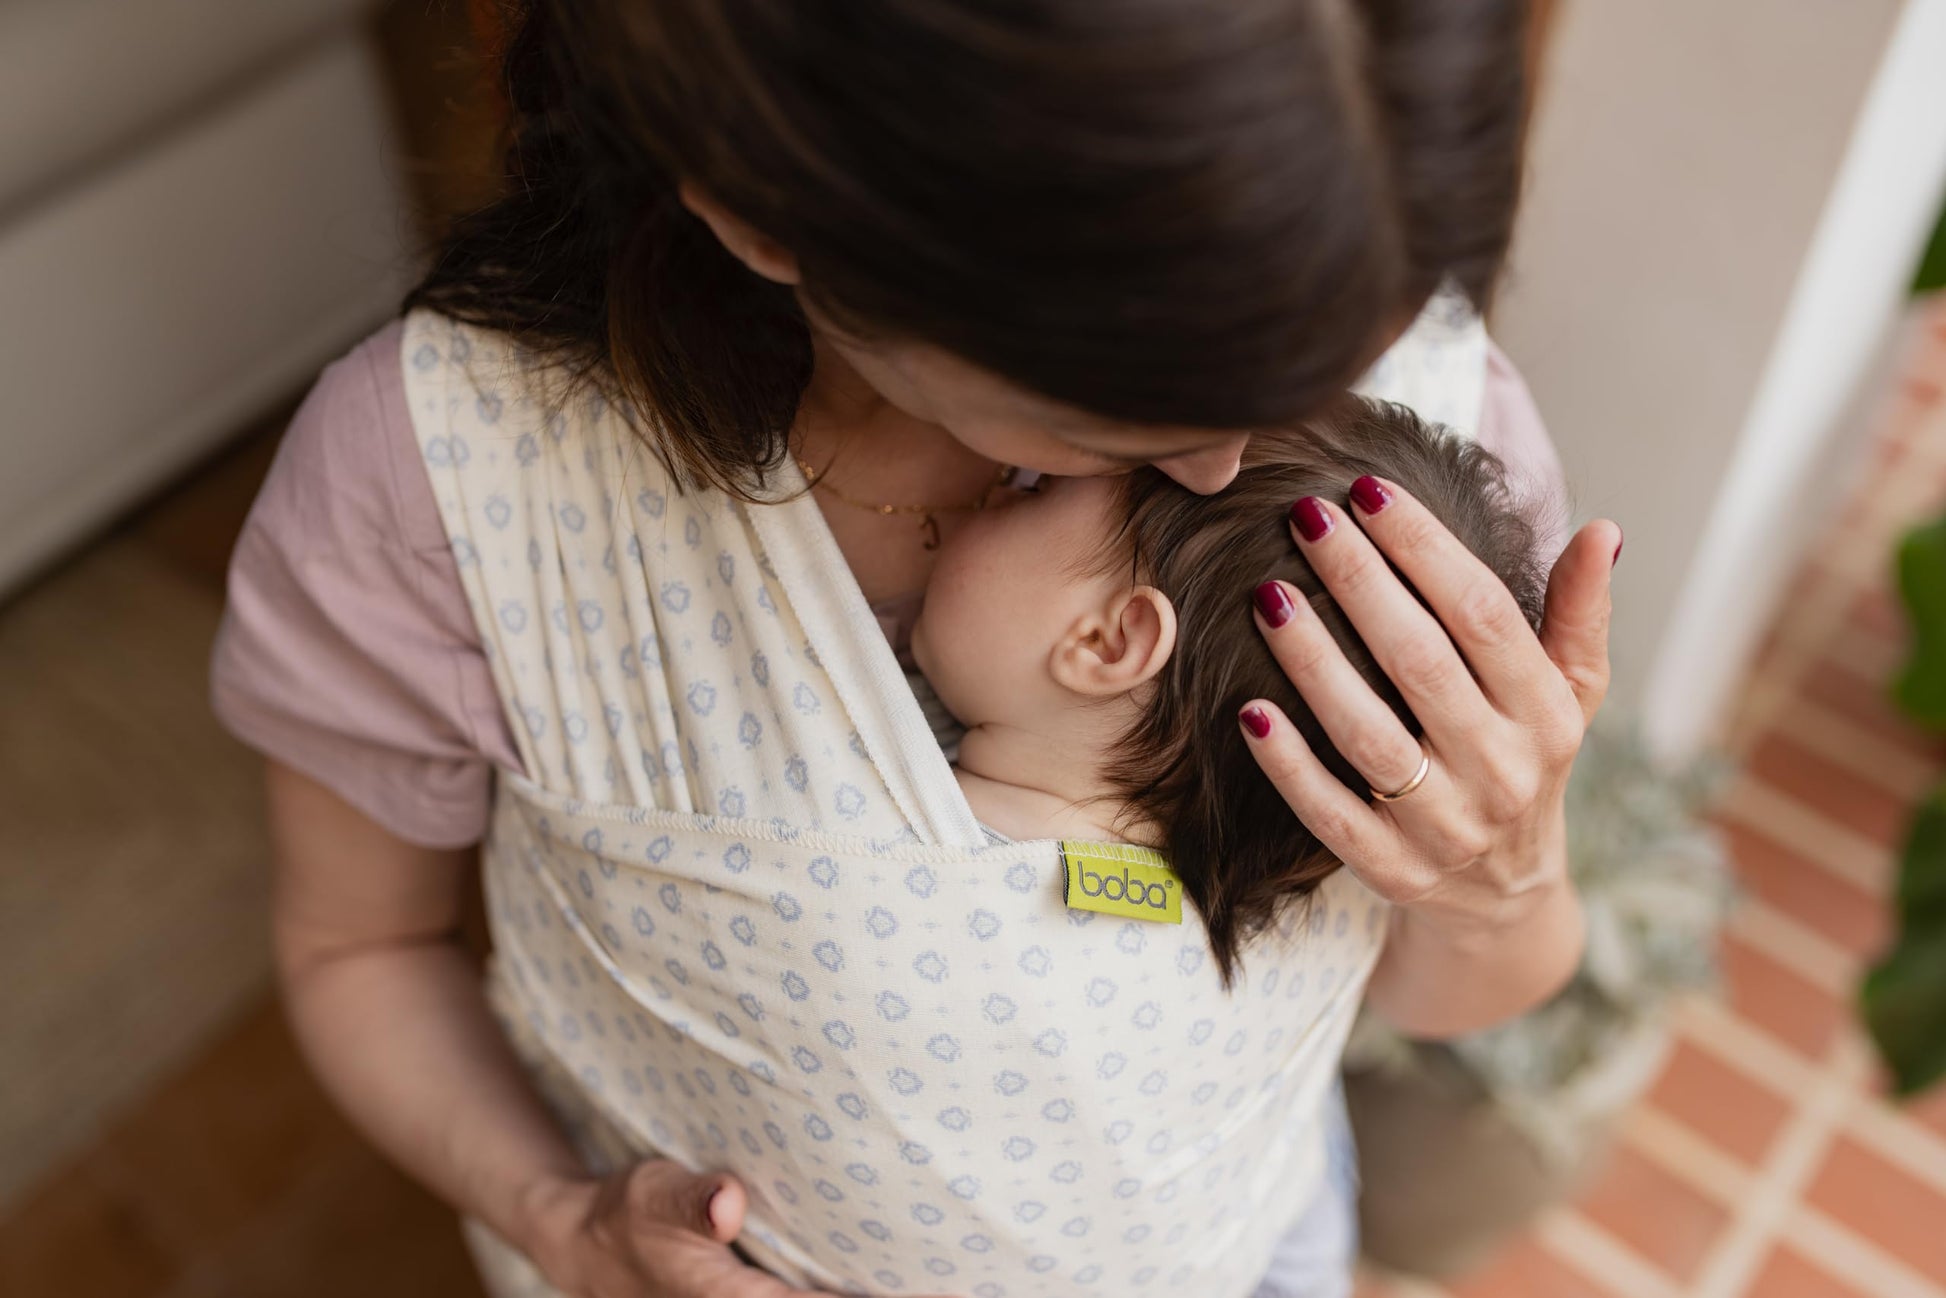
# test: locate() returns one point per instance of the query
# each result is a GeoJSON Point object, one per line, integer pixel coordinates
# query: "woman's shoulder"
{"type": "Point", "coordinates": [346, 461]}
{"type": "Point", "coordinates": [348, 649]}
{"type": "Point", "coordinates": [357, 450]}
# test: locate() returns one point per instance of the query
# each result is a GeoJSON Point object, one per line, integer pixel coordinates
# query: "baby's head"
{"type": "Point", "coordinates": [1097, 640]}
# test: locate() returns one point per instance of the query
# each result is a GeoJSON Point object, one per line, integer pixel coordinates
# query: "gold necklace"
{"type": "Point", "coordinates": [928, 524]}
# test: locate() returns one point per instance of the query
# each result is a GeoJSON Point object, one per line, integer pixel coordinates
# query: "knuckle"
{"type": "Point", "coordinates": [1588, 682]}
{"type": "Point", "coordinates": [1422, 668]}
{"type": "Point", "coordinates": [1407, 885]}
{"type": "Point", "coordinates": [1516, 794]}
{"type": "Point", "coordinates": [646, 1190]}
{"type": "Point", "coordinates": [1284, 767]}
{"type": "Point", "coordinates": [1305, 654]}
{"type": "Point", "coordinates": [1561, 730]}
{"type": "Point", "coordinates": [1357, 569]}
{"type": "Point", "coordinates": [1562, 740]}
{"type": "Point", "coordinates": [1468, 843]}
{"type": "Point", "coordinates": [1415, 530]}
{"type": "Point", "coordinates": [1485, 612]}
{"type": "Point", "coordinates": [1369, 751]}
{"type": "Point", "coordinates": [1330, 827]}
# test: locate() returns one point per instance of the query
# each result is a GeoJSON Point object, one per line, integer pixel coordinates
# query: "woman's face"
{"type": "Point", "coordinates": [1002, 421]}
{"type": "Point", "coordinates": [1010, 425]}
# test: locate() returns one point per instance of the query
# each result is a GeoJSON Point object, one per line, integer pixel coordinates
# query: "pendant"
{"type": "Point", "coordinates": [929, 527]}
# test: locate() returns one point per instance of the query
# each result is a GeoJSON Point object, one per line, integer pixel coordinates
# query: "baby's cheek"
{"type": "Point", "coordinates": [967, 657]}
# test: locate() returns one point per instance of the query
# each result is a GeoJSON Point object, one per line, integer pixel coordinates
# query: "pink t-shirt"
{"type": "Point", "coordinates": [348, 651]}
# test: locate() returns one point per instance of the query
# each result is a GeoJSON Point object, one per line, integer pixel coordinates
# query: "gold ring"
{"type": "Point", "coordinates": [1418, 778]}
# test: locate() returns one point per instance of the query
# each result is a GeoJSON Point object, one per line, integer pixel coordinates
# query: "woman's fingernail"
{"type": "Point", "coordinates": [709, 1209]}
{"type": "Point", "coordinates": [1255, 720]}
{"type": "Point", "coordinates": [1274, 604]}
{"type": "Point", "coordinates": [1310, 518]}
{"type": "Point", "coordinates": [1370, 495]}
{"type": "Point", "coordinates": [1618, 549]}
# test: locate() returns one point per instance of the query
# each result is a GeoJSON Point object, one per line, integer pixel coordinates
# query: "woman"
{"type": "Point", "coordinates": [908, 243]}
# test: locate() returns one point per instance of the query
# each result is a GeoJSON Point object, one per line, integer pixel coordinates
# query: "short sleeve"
{"type": "Point", "coordinates": [348, 651]}
{"type": "Point", "coordinates": [1511, 427]}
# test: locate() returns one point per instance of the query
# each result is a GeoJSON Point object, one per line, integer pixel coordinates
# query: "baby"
{"type": "Point", "coordinates": [1094, 636]}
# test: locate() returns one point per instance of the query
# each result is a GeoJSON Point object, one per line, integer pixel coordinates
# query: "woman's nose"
{"type": "Point", "coordinates": [1208, 469]}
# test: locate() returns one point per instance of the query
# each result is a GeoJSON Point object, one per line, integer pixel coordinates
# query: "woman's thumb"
{"type": "Point", "coordinates": [1574, 628]}
{"type": "Point", "coordinates": [709, 1203]}
{"type": "Point", "coordinates": [723, 1210]}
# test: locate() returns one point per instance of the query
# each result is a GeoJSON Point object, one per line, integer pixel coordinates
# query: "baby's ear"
{"type": "Point", "coordinates": [1119, 646]}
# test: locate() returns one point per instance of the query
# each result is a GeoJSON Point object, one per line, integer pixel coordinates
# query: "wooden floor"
{"type": "Point", "coordinates": [235, 1179]}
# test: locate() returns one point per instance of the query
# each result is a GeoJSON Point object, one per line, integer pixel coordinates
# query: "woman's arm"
{"type": "Point", "coordinates": [388, 1008]}
{"type": "Point", "coordinates": [1532, 950]}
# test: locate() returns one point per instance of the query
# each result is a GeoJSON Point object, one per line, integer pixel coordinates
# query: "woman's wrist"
{"type": "Point", "coordinates": [1446, 972]}
{"type": "Point", "coordinates": [1481, 923]}
{"type": "Point", "coordinates": [1482, 909]}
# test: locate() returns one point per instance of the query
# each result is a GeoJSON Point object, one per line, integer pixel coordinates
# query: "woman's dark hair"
{"type": "Point", "coordinates": [1161, 211]}
{"type": "Point", "coordinates": [1183, 765]}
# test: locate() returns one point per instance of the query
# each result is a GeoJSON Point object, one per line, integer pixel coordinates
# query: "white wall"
{"type": "Point", "coordinates": [1868, 242]}
{"type": "Point", "coordinates": [157, 301]}
{"type": "Point", "coordinates": [1683, 155]}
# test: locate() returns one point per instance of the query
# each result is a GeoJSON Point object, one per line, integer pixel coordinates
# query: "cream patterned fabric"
{"type": "Point", "coordinates": [744, 919]}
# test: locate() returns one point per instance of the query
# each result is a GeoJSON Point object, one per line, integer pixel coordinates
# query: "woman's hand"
{"type": "Point", "coordinates": [650, 1230]}
{"type": "Point", "coordinates": [1475, 854]}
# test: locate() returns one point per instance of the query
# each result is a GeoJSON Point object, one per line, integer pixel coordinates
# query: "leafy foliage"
{"type": "Point", "coordinates": [1903, 998]}
{"type": "Point", "coordinates": [1921, 687]}
{"type": "Point", "coordinates": [1932, 266]}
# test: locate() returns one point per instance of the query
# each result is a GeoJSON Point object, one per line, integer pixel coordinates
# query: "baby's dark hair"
{"type": "Point", "coordinates": [1184, 765]}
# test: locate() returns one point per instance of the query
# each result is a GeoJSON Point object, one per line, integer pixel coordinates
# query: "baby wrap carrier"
{"type": "Point", "coordinates": [743, 917]}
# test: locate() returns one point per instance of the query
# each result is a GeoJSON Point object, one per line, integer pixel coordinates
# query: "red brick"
{"type": "Point", "coordinates": [1773, 997]}
{"type": "Point", "coordinates": [1868, 705]}
{"type": "Point", "coordinates": [1837, 792]}
{"type": "Point", "coordinates": [1874, 609]}
{"type": "Point", "coordinates": [1657, 1215]}
{"type": "Point", "coordinates": [1928, 1108]}
{"type": "Point", "coordinates": [1809, 893]}
{"type": "Point", "coordinates": [1786, 1275]}
{"type": "Point", "coordinates": [1720, 1103]}
{"type": "Point", "coordinates": [1883, 1203]}
{"type": "Point", "coordinates": [1526, 1270]}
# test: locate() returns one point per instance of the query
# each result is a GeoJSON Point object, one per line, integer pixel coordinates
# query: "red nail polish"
{"type": "Point", "coordinates": [1618, 550]}
{"type": "Point", "coordinates": [1255, 720]}
{"type": "Point", "coordinates": [1311, 519]}
{"type": "Point", "coordinates": [1370, 495]}
{"type": "Point", "coordinates": [1274, 604]}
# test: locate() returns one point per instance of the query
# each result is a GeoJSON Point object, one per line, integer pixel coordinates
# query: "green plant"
{"type": "Point", "coordinates": [1931, 274]}
{"type": "Point", "coordinates": [1903, 998]}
